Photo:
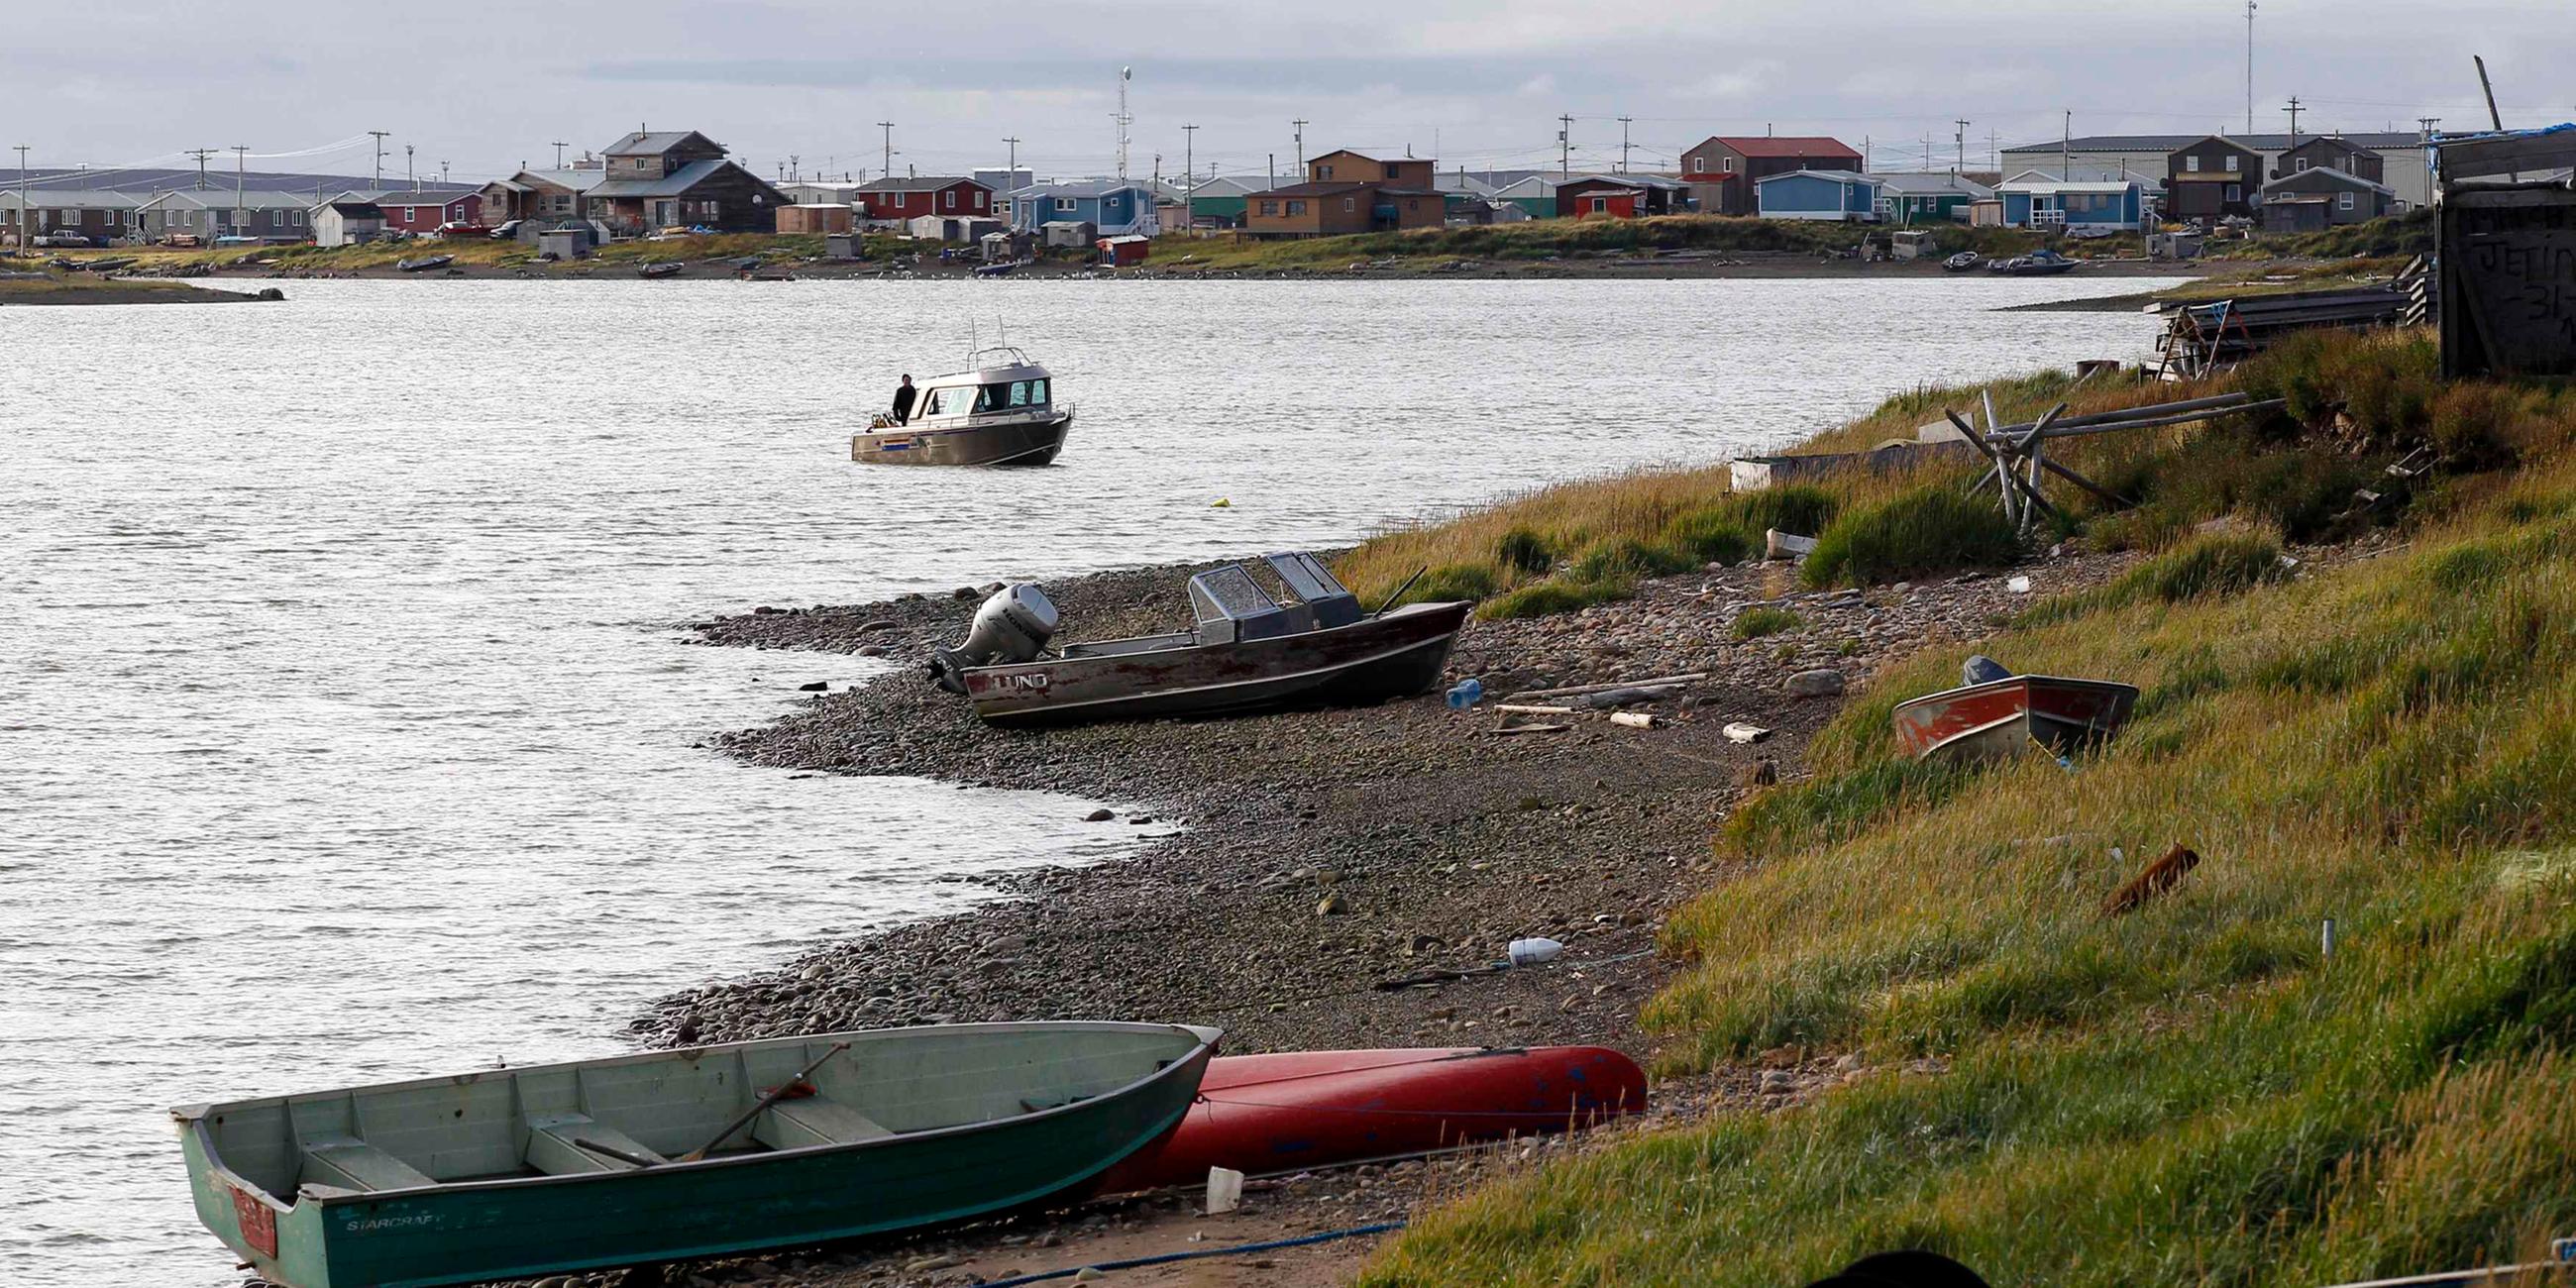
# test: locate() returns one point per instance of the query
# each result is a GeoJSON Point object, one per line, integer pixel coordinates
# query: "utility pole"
{"type": "Point", "coordinates": [2293, 110]}
{"type": "Point", "coordinates": [2249, 66]}
{"type": "Point", "coordinates": [24, 214]}
{"type": "Point", "coordinates": [1994, 157]}
{"type": "Point", "coordinates": [1011, 172]}
{"type": "Point", "coordinates": [1959, 135]}
{"type": "Point", "coordinates": [793, 174]}
{"type": "Point", "coordinates": [1565, 146]}
{"type": "Point", "coordinates": [2066, 146]}
{"type": "Point", "coordinates": [2426, 123]}
{"type": "Point", "coordinates": [1125, 74]}
{"type": "Point", "coordinates": [2489, 86]}
{"type": "Point", "coordinates": [239, 152]}
{"type": "Point", "coordinates": [560, 145]}
{"type": "Point", "coordinates": [409, 181]}
{"type": "Point", "coordinates": [442, 174]}
{"type": "Point", "coordinates": [1190, 158]}
{"type": "Point", "coordinates": [1623, 143]}
{"type": "Point", "coordinates": [1298, 127]}
{"type": "Point", "coordinates": [380, 136]}
{"type": "Point", "coordinates": [888, 127]}
{"type": "Point", "coordinates": [201, 154]}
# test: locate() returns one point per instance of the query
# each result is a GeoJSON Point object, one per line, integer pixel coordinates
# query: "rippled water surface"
{"type": "Point", "coordinates": [345, 731]}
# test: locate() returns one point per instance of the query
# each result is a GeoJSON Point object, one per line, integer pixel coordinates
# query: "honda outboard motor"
{"type": "Point", "coordinates": [1012, 626]}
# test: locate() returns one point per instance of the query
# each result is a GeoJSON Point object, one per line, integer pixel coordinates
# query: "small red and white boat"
{"type": "Point", "coordinates": [1999, 718]}
{"type": "Point", "coordinates": [1266, 1114]}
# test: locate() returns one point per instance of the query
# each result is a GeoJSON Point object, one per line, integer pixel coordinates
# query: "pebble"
{"type": "Point", "coordinates": [1100, 816]}
{"type": "Point", "coordinates": [1333, 905]}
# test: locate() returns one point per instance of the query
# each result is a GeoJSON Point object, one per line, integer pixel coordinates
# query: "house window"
{"type": "Point", "coordinates": [1270, 208]}
{"type": "Point", "coordinates": [1350, 204]}
{"type": "Point", "coordinates": [1323, 172]}
{"type": "Point", "coordinates": [979, 201]}
{"type": "Point", "coordinates": [1296, 208]}
{"type": "Point", "coordinates": [406, 214]}
{"type": "Point", "coordinates": [2191, 165]}
{"type": "Point", "coordinates": [2231, 162]}
{"type": "Point", "coordinates": [1600, 205]}
{"type": "Point", "coordinates": [948, 199]}
{"type": "Point", "coordinates": [1699, 165]}
{"type": "Point", "coordinates": [1064, 205]}
{"type": "Point", "coordinates": [2303, 165]}
{"type": "Point", "coordinates": [1390, 170]}
{"type": "Point", "coordinates": [2235, 192]}
{"type": "Point", "coordinates": [1727, 164]}
{"type": "Point", "coordinates": [2343, 201]}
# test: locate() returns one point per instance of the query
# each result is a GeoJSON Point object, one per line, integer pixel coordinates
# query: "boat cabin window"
{"type": "Point", "coordinates": [955, 400]}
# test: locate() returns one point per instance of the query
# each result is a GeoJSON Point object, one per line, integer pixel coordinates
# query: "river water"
{"type": "Point", "coordinates": [346, 733]}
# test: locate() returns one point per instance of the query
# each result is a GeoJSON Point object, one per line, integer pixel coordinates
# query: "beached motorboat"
{"type": "Point", "coordinates": [1001, 410]}
{"type": "Point", "coordinates": [660, 268]}
{"type": "Point", "coordinates": [2038, 263]}
{"type": "Point", "coordinates": [1309, 644]}
{"type": "Point", "coordinates": [1259, 1114]}
{"type": "Point", "coordinates": [510, 1173]}
{"type": "Point", "coordinates": [1966, 261]}
{"type": "Point", "coordinates": [1998, 714]}
{"type": "Point", "coordinates": [424, 263]}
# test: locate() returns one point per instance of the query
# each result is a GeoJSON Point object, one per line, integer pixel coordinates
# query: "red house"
{"type": "Point", "coordinates": [1607, 198]}
{"type": "Point", "coordinates": [911, 198]}
{"type": "Point", "coordinates": [422, 210]}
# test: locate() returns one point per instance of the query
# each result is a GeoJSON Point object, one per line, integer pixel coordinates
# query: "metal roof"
{"type": "Point", "coordinates": [358, 209]}
{"type": "Point", "coordinates": [74, 199]}
{"type": "Point", "coordinates": [218, 199]}
{"type": "Point", "coordinates": [2061, 185]}
{"type": "Point", "coordinates": [573, 180]}
{"type": "Point", "coordinates": [1083, 188]}
{"type": "Point", "coordinates": [411, 196]}
{"type": "Point", "coordinates": [2341, 176]}
{"type": "Point", "coordinates": [1329, 188]}
{"type": "Point", "coordinates": [675, 184]}
{"type": "Point", "coordinates": [2373, 139]}
{"type": "Point", "coordinates": [1784, 145]}
{"type": "Point", "coordinates": [656, 142]}
{"type": "Point", "coordinates": [1838, 176]}
{"type": "Point", "coordinates": [1942, 181]}
{"type": "Point", "coordinates": [920, 183]}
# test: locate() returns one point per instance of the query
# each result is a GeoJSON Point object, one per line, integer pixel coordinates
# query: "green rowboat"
{"type": "Point", "coordinates": [507, 1173]}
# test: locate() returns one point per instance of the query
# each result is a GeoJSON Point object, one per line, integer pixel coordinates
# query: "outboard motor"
{"type": "Point", "coordinates": [1981, 669]}
{"type": "Point", "coordinates": [1012, 626]}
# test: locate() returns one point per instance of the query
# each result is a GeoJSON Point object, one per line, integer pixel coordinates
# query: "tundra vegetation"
{"type": "Point", "coordinates": [2196, 1091]}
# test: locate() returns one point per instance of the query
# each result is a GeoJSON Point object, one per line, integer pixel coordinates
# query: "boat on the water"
{"type": "Point", "coordinates": [1260, 1114]}
{"type": "Point", "coordinates": [1998, 714]}
{"type": "Point", "coordinates": [109, 265]}
{"type": "Point", "coordinates": [660, 268]}
{"type": "Point", "coordinates": [1966, 261]}
{"type": "Point", "coordinates": [513, 1173]}
{"type": "Point", "coordinates": [1309, 643]}
{"type": "Point", "coordinates": [424, 263]}
{"type": "Point", "coordinates": [2038, 263]}
{"type": "Point", "coordinates": [1001, 410]}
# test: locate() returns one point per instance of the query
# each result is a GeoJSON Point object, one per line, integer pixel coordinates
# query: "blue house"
{"type": "Point", "coordinates": [1817, 194]}
{"type": "Point", "coordinates": [1116, 208]}
{"type": "Point", "coordinates": [2100, 205]}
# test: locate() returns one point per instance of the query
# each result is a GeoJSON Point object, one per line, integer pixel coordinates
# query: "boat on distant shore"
{"type": "Point", "coordinates": [660, 268]}
{"type": "Point", "coordinates": [424, 263]}
{"type": "Point", "coordinates": [705, 1151]}
{"type": "Point", "coordinates": [1966, 261]}
{"type": "Point", "coordinates": [1001, 410]}
{"type": "Point", "coordinates": [1251, 648]}
{"type": "Point", "coordinates": [2000, 716]}
{"type": "Point", "coordinates": [1261, 1114]}
{"type": "Point", "coordinates": [2038, 263]}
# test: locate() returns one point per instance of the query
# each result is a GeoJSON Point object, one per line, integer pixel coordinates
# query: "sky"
{"type": "Point", "coordinates": [481, 87]}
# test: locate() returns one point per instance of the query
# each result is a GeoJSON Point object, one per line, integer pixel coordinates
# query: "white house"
{"type": "Point", "coordinates": [346, 222]}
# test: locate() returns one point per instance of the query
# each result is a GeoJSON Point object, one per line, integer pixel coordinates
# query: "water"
{"type": "Point", "coordinates": [345, 732]}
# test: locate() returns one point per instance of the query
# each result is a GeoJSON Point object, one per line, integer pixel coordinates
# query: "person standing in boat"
{"type": "Point", "coordinates": [903, 396]}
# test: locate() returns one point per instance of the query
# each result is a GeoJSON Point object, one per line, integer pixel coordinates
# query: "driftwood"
{"type": "Point", "coordinates": [1572, 689]}
{"type": "Point", "coordinates": [2162, 875]}
{"type": "Point", "coordinates": [1534, 728]}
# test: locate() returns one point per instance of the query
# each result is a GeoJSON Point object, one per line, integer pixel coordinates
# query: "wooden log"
{"type": "Point", "coordinates": [1526, 709]}
{"type": "Point", "coordinates": [1572, 689]}
{"type": "Point", "coordinates": [2062, 431]}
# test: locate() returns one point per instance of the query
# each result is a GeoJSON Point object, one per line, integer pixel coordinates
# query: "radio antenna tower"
{"type": "Point", "coordinates": [1125, 74]}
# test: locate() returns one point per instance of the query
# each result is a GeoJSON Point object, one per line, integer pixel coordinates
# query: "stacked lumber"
{"type": "Point", "coordinates": [2201, 339]}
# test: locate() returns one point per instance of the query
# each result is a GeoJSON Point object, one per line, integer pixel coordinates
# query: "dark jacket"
{"type": "Point", "coordinates": [903, 396]}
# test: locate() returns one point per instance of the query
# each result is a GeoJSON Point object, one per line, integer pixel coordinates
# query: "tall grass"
{"type": "Point", "coordinates": [2193, 1093]}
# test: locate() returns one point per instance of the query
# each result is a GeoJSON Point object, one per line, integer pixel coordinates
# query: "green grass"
{"type": "Point", "coordinates": [2192, 1093]}
{"type": "Point", "coordinates": [1544, 239]}
{"type": "Point", "coordinates": [1756, 623]}
{"type": "Point", "coordinates": [1929, 530]}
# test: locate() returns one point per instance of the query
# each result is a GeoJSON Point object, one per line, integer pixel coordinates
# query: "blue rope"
{"type": "Point", "coordinates": [1133, 1262]}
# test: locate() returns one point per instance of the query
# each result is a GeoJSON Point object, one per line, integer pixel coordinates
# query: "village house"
{"type": "Point", "coordinates": [2332, 152]}
{"type": "Point", "coordinates": [2076, 206]}
{"type": "Point", "coordinates": [679, 179]}
{"type": "Point", "coordinates": [419, 212]}
{"type": "Point", "coordinates": [2403, 154]}
{"type": "Point", "coordinates": [1817, 194]}
{"type": "Point", "coordinates": [100, 216]}
{"type": "Point", "coordinates": [1936, 198]}
{"type": "Point", "coordinates": [1722, 170]}
{"type": "Point", "coordinates": [1111, 207]}
{"type": "Point", "coordinates": [1350, 192]}
{"type": "Point", "coordinates": [1533, 195]}
{"type": "Point", "coordinates": [1643, 195]}
{"type": "Point", "coordinates": [538, 197]}
{"type": "Point", "coordinates": [816, 217]}
{"type": "Point", "coordinates": [900, 200]}
{"type": "Point", "coordinates": [1222, 202]}
{"type": "Point", "coordinates": [2321, 197]}
{"type": "Point", "coordinates": [347, 221]}
{"type": "Point", "coordinates": [211, 213]}
{"type": "Point", "coordinates": [2212, 178]}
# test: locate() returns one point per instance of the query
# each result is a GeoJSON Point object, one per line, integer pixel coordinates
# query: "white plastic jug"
{"type": "Point", "coordinates": [1224, 1190]}
{"type": "Point", "coordinates": [1530, 952]}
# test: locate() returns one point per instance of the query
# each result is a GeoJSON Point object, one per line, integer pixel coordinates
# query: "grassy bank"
{"type": "Point", "coordinates": [482, 252]}
{"type": "Point", "coordinates": [2194, 1091]}
{"type": "Point", "coordinates": [1545, 239]}
{"type": "Point", "coordinates": [80, 288]}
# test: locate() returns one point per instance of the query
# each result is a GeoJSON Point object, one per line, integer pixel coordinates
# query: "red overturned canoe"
{"type": "Point", "coordinates": [1281, 1113]}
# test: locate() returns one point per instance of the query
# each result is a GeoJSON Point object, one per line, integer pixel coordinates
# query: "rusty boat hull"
{"type": "Point", "coordinates": [2002, 717]}
{"type": "Point", "coordinates": [1397, 654]}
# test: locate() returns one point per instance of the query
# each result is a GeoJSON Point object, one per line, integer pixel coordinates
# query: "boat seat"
{"type": "Point", "coordinates": [814, 1120]}
{"type": "Point", "coordinates": [554, 1146]}
{"type": "Point", "coordinates": [348, 1163]}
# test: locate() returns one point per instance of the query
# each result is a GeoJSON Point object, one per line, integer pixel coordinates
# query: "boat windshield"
{"type": "Point", "coordinates": [1006, 395]}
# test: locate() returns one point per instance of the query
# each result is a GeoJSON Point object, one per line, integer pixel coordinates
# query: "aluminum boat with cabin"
{"type": "Point", "coordinates": [1001, 410]}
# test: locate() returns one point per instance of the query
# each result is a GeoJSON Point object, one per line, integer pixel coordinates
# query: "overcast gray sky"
{"type": "Point", "coordinates": [484, 86]}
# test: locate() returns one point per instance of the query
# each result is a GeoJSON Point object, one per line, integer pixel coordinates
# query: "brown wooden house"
{"type": "Point", "coordinates": [680, 180]}
{"type": "Point", "coordinates": [1347, 192]}
{"type": "Point", "coordinates": [1722, 170]}
{"type": "Point", "coordinates": [2323, 197]}
{"type": "Point", "coordinates": [2330, 152]}
{"type": "Point", "coordinates": [2212, 179]}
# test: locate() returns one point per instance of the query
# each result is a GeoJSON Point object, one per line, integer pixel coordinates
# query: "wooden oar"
{"type": "Point", "coordinates": [775, 1095]}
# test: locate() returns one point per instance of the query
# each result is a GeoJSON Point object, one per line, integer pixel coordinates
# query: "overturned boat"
{"type": "Point", "coordinates": [1997, 714]}
{"type": "Point", "coordinates": [705, 1151]}
{"type": "Point", "coordinates": [1251, 648]}
{"type": "Point", "coordinates": [1001, 411]}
